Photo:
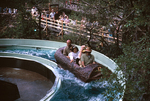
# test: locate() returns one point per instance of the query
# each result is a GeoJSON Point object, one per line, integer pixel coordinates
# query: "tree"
{"type": "Point", "coordinates": [133, 17]}
{"type": "Point", "coordinates": [25, 18]}
{"type": "Point", "coordinates": [37, 3]}
{"type": "Point", "coordinates": [135, 66]}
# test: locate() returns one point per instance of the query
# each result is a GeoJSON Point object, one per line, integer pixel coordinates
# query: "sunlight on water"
{"type": "Point", "coordinates": [47, 54]}
{"type": "Point", "coordinates": [75, 90]}
{"type": "Point", "coordinates": [72, 88]}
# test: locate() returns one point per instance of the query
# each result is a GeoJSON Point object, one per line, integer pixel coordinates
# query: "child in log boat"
{"type": "Point", "coordinates": [75, 54]}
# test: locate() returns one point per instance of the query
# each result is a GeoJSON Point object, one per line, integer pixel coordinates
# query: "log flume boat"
{"type": "Point", "coordinates": [86, 74]}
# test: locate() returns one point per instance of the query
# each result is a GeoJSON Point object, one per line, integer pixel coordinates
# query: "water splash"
{"type": "Point", "coordinates": [73, 89]}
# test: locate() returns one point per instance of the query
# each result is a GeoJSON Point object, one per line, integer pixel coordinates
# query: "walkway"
{"type": "Point", "coordinates": [61, 28]}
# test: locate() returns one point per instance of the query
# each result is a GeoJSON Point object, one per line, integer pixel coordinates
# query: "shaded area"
{"type": "Point", "coordinates": [8, 89]}
{"type": "Point", "coordinates": [32, 86]}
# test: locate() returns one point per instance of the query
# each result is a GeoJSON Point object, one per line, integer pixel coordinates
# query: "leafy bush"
{"type": "Point", "coordinates": [135, 65]}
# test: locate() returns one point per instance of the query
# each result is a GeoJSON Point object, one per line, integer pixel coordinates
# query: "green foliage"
{"type": "Point", "coordinates": [76, 39]}
{"type": "Point", "coordinates": [76, 15]}
{"type": "Point", "coordinates": [112, 51]}
{"type": "Point", "coordinates": [136, 70]}
{"type": "Point", "coordinates": [134, 62]}
{"type": "Point", "coordinates": [23, 27]}
{"type": "Point", "coordinates": [134, 19]}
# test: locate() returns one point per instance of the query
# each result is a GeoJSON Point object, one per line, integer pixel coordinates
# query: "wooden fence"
{"type": "Point", "coordinates": [63, 28]}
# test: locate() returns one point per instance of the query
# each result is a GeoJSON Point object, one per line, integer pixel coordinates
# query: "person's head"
{"type": "Point", "coordinates": [88, 50]}
{"type": "Point", "coordinates": [47, 12]}
{"type": "Point", "coordinates": [69, 42]}
{"type": "Point", "coordinates": [75, 49]}
{"type": "Point", "coordinates": [63, 13]}
{"type": "Point", "coordinates": [82, 18]}
{"type": "Point", "coordinates": [52, 10]}
{"type": "Point", "coordinates": [67, 17]}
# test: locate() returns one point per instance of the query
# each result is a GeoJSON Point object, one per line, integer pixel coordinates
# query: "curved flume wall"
{"type": "Point", "coordinates": [45, 44]}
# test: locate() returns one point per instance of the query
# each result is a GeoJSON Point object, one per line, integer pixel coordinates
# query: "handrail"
{"type": "Point", "coordinates": [77, 29]}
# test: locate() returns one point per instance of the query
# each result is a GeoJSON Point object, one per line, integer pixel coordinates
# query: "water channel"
{"type": "Point", "coordinates": [72, 89]}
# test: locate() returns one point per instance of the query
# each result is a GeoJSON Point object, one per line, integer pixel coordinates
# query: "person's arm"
{"type": "Point", "coordinates": [83, 63]}
{"type": "Point", "coordinates": [49, 15]}
{"type": "Point", "coordinates": [71, 61]}
{"type": "Point", "coordinates": [71, 58]}
{"type": "Point", "coordinates": [80, 53]}
{"type": "Point", "coordinates": [70, 55]}
{"type": "Point", "coordinates": [93, 60]}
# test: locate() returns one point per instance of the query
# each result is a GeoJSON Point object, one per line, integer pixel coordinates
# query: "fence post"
{"type": "Point", "coordinates": [102, 39]}
{"type": "Point", "coordinates": [62, 29]}
{"type": "Point", "coordinates": [46, 25]}
{"type": "Point", "coordinates": [80, 33]}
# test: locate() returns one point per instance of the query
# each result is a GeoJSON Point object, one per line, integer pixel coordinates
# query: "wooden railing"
{"type": "Point", "coordinates": [61, 27]}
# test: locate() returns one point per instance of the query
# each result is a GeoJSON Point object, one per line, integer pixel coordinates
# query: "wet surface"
{"type": "Point", "coordinates": [72, 89]}
{"type": "Point", "coordinates": [32, 86]}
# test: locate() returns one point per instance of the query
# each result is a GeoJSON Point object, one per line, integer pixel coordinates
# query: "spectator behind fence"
{"type": "Point", "coordinates": [5, 10]}
{"type": "Point", "coordinates": [73, 22]}
{"type": "Point", "coordinates": [83, 22]}
{"type": "Point", "coordinates": [47, 14]}
{"type": "Point", "coordinates": [33, 11]}
{"type": "Point", "coordinates": [51, 15]}
{"type": "Point", "coordinates": [9, 10]}
{"type": "Point", "coordinates": [64, 15]}
{"type": "Point", "coordinates": [56, 16]}
{"type": "Point", "coordinates": [15, 11]}
{"type": "Point", "coordinates": [95, 24]}
{"type": "Point", "coordinates": [67, 21]}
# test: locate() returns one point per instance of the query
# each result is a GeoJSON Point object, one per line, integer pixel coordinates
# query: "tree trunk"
{"type": "Point", "coordinates": [117, 40]}
{"type": "Point", "coordinates": [40, 37]}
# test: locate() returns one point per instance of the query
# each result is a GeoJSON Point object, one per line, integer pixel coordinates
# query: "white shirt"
{"type": "Point", "coordinates": [73, 55]}
{"type": "Point", "coordinates": [52, 14]}
{"type": "Point", "coordinates": [10, 10]}
{"type": "Point", "coordinates": [33, 10]}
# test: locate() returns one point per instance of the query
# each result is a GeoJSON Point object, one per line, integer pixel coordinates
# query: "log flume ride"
{"type": "Point", "coordinates": [86, 74]}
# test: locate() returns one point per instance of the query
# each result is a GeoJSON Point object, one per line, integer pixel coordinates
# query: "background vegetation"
{"type": "Point", "coordinates": [132, 22]}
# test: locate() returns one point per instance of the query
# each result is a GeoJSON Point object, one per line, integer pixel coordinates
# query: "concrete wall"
{"type": "Point", "coordinates": [100, 58]}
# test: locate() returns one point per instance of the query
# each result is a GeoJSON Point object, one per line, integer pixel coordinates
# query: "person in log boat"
{"type": "Point", "coordinates": [66, 50]}
{"type": "Point", "coordinates": [87, 58]}
{"type": "Point", "coordinates": [74, 54]}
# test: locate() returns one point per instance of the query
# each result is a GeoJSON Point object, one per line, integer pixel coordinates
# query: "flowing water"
{"type": "Point", "coordinates": [72, 89]}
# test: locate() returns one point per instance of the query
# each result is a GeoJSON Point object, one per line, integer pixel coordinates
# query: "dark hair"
{"type": "Point", "coordinates": [71, 48]}
{"type": "Point", "coordinates": [74, 48]}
